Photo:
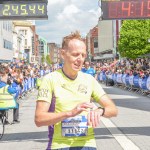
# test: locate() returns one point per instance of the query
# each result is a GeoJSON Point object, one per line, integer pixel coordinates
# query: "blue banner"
{"type": "Point", "coordinates": [136, 81]}
{"type": "Point", "coordinates": [144, 81]}
{"type": "Point", "coordinates": [127, 80]}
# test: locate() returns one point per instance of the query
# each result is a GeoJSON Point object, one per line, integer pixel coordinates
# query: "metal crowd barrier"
{"type": "Point", "coordinates": [128, 82]}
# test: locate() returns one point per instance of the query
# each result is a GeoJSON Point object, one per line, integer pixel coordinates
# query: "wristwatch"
{"type": "Point", "coordinates": [103, 110]}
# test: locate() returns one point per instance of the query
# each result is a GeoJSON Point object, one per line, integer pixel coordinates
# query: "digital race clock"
{"type": "Point", "coordinates": [23, 9]}
{"type": "Point", "coordinates": [125, 9]}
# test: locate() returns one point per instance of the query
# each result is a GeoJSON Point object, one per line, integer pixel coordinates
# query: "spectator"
{"type": "Point", "coordinates": [7, 100]}
{"type": "Point", "coordinates": [87, 69]}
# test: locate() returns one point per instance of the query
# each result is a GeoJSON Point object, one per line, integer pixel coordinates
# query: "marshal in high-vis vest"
{"type": "Point", "coordinates": [7, 100]}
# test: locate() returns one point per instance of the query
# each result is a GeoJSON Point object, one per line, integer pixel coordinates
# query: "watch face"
{"type": "Point", "coordinates": [103, 110]}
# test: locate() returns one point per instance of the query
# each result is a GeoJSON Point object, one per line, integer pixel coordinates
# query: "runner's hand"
{"type": "Point", "coordinates": [80, 108]}
{"type": "Point", "coordinates": [94, 117]}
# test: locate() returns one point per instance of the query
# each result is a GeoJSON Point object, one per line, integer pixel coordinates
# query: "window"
{"type": "Point", "coordinates": [7, 25]}
{"type": "Point", "coordinates": [25, 32]}
{"type": "Point", "coordinates": [10, 26]}
{"type": "Point", "coordinates": [26, 41]}
{"type": "Point", "coordinates": [4, 25]}
{"type": "Point", "coordinates": [95, 43]}
{"type": "Point", "coordinates": [7, 44]}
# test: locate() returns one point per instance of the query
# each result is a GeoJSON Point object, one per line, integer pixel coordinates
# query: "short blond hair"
{"type": "Point", "coordinates": [73, 35]}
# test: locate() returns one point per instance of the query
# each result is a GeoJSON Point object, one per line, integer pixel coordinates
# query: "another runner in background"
{"type": "Point", "coordinates": [63, 101]}
{"type": "Point", "coordinates": [88, 69]}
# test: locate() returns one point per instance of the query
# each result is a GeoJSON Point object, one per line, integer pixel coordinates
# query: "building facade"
{"type": "Point", "coordinates": [18, 43]}
{"type": "Point", "coordinates": [54, 53]}
{"type": "Point", "coordinates": [6, 41]}
{"type": "Point", "coordinates": [105, 40]}
{"type": "Point", "coordinates": [43, 49]}
{"type": "Point", "coordinates": [92, 43]}
{"type": "Point", "coordinates": [25, 28]}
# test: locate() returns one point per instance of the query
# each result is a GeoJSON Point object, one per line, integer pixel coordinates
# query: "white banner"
{"type": "Point", "coordinates": [119, 78]}
{"type": "Point", "coordinates": [140, 82]}
{"type": "Point", "coordinates": [148, 83]}
{"type": "Point", "coordinates": [101, 74]}
{"type": "Point", "coordinates": [131, 80]}
{"type": "Point", "coordinates": [124, 78]}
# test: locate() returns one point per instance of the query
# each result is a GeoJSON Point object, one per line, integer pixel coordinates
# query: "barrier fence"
{"type": "Point", "coordinates": [129, 82]}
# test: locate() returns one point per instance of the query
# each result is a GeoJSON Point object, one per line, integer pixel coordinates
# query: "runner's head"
{"type": "Point", "coordinates": [73, 52]}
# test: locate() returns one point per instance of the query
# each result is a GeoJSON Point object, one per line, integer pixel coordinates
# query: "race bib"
{"type": "Point", "coordinates": [75, 126]}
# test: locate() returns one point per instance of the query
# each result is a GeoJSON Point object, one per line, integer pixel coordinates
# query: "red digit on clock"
{"type": "Point", "coordinates": [112, 7]}
{"type": "Point", "coordinates": [148, 7]}
{"type": "Point", "coordinates": [142, 6]}
{"type": "Point", "coordinates": [128, 8]}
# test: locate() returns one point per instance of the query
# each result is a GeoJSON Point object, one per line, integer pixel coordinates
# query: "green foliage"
{"type": "Point", "coordinates": [43, 59]}
{"type": "Point", "coordinates": [48, 60]}
{"type": "Point", "coordinates": [134, 37]}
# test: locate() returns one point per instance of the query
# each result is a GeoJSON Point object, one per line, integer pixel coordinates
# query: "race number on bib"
{"type": "Point", "coordinates": [75, 126]}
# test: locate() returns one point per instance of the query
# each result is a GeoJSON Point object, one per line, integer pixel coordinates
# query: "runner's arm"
{"type": "Point", "coordinates": [45, 118]}
{"type": "Point", "coordinates": [109, 106]}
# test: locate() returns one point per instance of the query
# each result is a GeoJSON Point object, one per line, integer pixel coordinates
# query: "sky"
{"type": "Point", "coordinates": [66, 16]}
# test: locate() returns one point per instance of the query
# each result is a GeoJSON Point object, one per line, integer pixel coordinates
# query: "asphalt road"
{"type": "Point", "coordinates": [131, 128]}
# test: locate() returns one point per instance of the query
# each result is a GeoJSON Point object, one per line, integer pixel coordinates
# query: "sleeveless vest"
{"type": "Point", "coordinates": [38, 82]}
{"type": "Point", "coordinates": [7, 100]}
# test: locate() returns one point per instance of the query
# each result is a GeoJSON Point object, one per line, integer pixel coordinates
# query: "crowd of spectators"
{"type": "Point", "coordinates": [19, 78]}
{"type": "Point", "coordinates": [126, 73]}
{"type": "Point", "coordinates": [19, 73]}
{"type": "Point", "coordinates": [140, 66]}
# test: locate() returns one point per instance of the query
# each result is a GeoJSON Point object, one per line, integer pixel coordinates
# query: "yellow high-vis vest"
{"type": "Point", "coordinates": [38, 82]}
{"type": "Point", "coordinates": [7, 100]}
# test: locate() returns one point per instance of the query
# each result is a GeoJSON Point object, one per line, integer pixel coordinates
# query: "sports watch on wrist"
{"type": "Point", "coordinates": [103, 110]}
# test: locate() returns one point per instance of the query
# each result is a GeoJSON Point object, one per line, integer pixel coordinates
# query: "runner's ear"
{"type": "Point", "coordinates": [62, 52]}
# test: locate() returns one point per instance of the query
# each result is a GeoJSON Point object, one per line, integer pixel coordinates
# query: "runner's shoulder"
{"type": "Point", "coordinates": [86, 75]}
{"type": "Point", "coordinates": [54, 74]}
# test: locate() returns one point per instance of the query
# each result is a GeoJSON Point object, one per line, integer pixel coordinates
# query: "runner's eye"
{"type": "Point", "coordinates": [84, 55]}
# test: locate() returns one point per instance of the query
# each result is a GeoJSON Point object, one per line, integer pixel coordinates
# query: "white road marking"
{"type": "Point", "coordinates": [115, 96]}
{"type": "Point", "coordinates": [122, 139]}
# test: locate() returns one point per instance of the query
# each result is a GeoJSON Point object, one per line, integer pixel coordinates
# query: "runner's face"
{"type": "Point", "coordinates": [87, 65]}
{"type": "Point", "coordinates": [75, 55]}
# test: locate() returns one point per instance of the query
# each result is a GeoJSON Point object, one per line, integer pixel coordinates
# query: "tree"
{"type": "Point", "coordinates": [43, 59]}
{"type": "Point", "coordinates": [134, 37]}
{"type": "Point", "coordinates": [48, 60]}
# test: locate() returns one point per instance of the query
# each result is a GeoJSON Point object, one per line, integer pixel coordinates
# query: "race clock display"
{"type": "Point", "coordinates": [23, 9]}
{"type": "Point", "coordinates": [125, 9]}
